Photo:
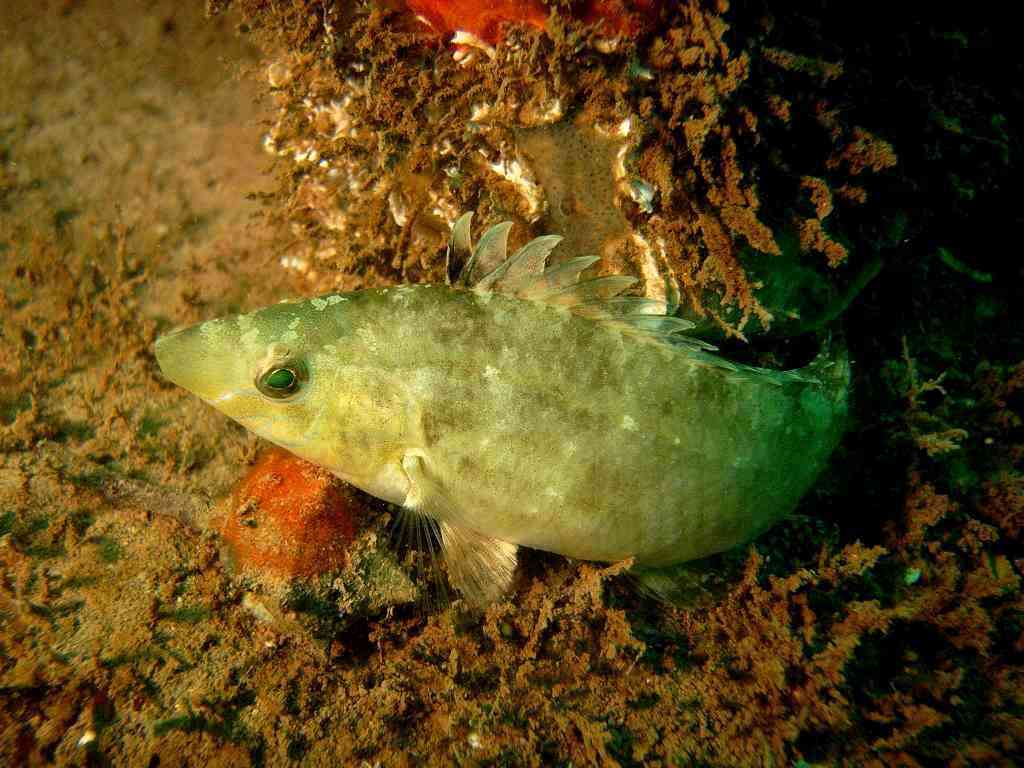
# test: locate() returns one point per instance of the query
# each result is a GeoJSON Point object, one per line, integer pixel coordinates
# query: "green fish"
{"type": "Point", "coordinates": [519, 405]}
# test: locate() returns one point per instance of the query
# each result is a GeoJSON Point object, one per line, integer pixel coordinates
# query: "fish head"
{"type": "Point", "coordinates": [308, 376]}
{"type": "Point", "coordinates": [269, 370]}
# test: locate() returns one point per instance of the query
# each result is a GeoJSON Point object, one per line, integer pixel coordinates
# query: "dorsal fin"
{"type": "Point", "coordinates": [524, 265]}
{"type": "Point", "coordinates": [488, 269]}
{"type": "Point", "coordinates": [477, 263]}
{"type": "Point", "coordinates": [460, 249]}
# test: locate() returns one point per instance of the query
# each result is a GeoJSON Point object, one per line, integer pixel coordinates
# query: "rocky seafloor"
{"type": "Point", "coordinates": [173, 593]}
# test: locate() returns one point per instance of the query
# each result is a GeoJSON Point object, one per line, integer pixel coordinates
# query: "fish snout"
{"type": "Point", "coordinates": [191, 361]}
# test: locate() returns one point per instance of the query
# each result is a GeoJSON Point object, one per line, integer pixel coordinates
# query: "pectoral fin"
{"type": "Point", "coordinates": [479, 566]}
{"type": "Point", "coordinates": [425, 495]}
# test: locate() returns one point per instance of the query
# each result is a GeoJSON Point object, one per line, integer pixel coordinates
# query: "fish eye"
{"type": "Point", "coordinates": [282, 381]}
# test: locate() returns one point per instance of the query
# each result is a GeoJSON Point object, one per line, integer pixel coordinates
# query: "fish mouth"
{"type": "Point", "coordinates": [199, 364]}
{"type": "Point", "coordinates": [176, 330]}
{"type": "Point", "coordinates": [171, 351]}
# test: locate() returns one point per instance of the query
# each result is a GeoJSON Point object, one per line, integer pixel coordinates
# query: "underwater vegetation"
{"type": "Point", "coordinates": [673, 155]}
{"type": "Point", "coordinates": [848, 168]}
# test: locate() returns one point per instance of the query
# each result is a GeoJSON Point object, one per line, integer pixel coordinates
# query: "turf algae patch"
{"type": "Point", "coordinates": [101, 578]}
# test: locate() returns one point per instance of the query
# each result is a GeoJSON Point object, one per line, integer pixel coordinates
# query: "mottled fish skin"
{"type": "Point", "coordinates": [525, 422]}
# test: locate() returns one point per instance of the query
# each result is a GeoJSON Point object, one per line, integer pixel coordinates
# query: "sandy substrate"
{"type": "Point", "coordinates": [130, 140]}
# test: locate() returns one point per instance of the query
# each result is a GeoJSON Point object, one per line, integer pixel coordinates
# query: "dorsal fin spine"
{"type": "Point", "coordinates": [490, 254]}
{"type": "Point", "coordinates": [460, 250]}
{"type": "Point", "coordinates": [488, 269]}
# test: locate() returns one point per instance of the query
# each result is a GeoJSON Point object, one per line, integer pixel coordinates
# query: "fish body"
{"type": "Point", "coordinates": [540, 415]}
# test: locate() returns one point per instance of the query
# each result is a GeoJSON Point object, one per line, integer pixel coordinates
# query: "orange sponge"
{"type": "Point", "coordinates": [290, 518]}
{"type": "Point", "coordinates": [484, 18]}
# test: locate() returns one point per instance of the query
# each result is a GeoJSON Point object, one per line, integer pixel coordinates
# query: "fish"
{"type": "Point", "coordinates": [522, 404]}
